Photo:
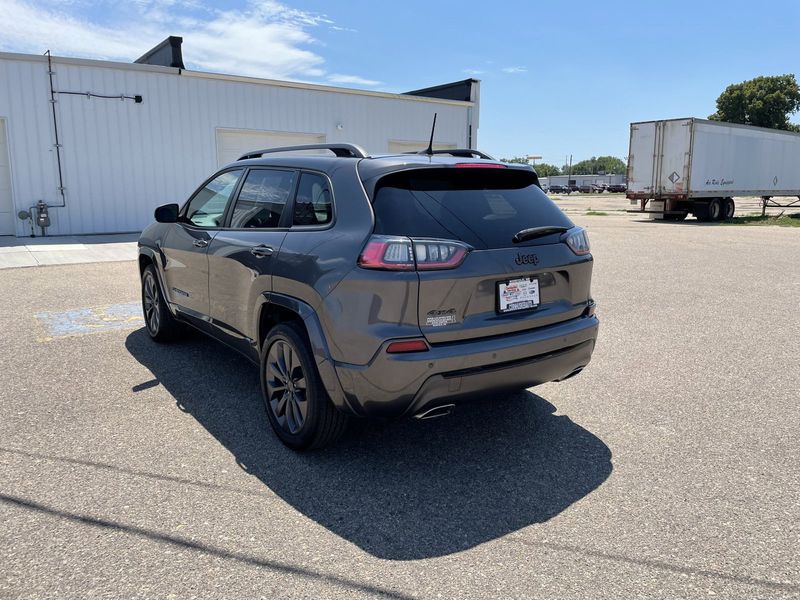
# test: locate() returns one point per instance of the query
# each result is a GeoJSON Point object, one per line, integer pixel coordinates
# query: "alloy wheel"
{"type": "Point", "coordinates": [152, 303]}
{"type": "Point", "coordinates": [286, 386]}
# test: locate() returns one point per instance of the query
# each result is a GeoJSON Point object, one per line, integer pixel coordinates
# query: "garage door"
{"type": "Point", "coordinates": [233, 143]}
{"type": "Point", "coordinates": [6, 205]}
{"type": "Point", "coordinates": [400, 147]}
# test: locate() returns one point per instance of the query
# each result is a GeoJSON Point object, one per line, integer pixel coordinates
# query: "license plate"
{"type": "Point", "coordinates": [517, 294]}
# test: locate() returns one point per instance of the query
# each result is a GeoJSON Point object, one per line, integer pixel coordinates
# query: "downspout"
{"type": "Point", "coordinates": [55, 131]}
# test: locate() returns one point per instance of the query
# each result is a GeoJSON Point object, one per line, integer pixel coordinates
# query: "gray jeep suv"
{"type": "Point", "coordinates": [374, 286]}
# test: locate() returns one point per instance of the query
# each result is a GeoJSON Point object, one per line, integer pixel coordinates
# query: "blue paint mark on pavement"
{"type": "Point", "coordinates": [92, 320]}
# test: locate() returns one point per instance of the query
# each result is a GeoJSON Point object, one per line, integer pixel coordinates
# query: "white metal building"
{"type": "Point", "coordinates": [118, 158]}
{"type": "Point", "coordinates": [609, 179]}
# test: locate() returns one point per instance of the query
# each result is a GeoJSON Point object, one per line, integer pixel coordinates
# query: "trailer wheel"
{"type": "Point", "coordinates": [710, 210]}
{"type": "Point", "coordinates": [715, 210]}
{"type": "Point", "coordinates": [728, 209]}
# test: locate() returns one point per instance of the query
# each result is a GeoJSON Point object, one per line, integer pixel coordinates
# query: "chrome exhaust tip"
{"type": "Point", "coordinates": [437, 411]}
{"type": "Point", "coordinates": [575, 372]}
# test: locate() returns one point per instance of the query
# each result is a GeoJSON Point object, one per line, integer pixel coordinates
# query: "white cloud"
{"type": "Point", "coordinates": [473, 71]}
{"type": "Point", "coordinates": [264, 39]}
{"type": "Point", "coordinates": [351, 79]}
{"type": "Point", "coordinates": [515, 69]}
{"type": "Point", "coordinates": [31, 29]}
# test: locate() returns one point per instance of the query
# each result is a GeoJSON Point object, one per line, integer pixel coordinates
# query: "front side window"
{"type": "Point", "coordinates": [207, 207]}
{"type": "Point", "coordinates": [262, 198]}
{"type": "Point", "coordinates": [312, 205]}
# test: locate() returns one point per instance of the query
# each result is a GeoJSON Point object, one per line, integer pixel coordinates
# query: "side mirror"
{"type": "Point", "coordinates": [167, 213]}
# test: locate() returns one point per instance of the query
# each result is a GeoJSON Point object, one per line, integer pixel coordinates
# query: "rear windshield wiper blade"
{"type": "Point", "coordinates": [537, 232]}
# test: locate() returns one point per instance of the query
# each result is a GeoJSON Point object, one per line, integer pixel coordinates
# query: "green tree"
{"type": "Point", "coordinates": [763, 101]}
{"type": "Point", "coordinates": [542, 169]}
{"type": "Point", "coordinates": [598, 164]}
{"type": "Point", "coordinates": [546, 170]}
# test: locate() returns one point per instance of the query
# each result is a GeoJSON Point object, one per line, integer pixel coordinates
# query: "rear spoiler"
{"type": "Point", "coordinates": [371, 183]}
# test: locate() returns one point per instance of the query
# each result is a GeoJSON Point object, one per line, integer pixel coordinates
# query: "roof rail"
{"type": "Point", "coordinates": [340, 150]}
{"type": "Point", "coordinates": [459, 152]}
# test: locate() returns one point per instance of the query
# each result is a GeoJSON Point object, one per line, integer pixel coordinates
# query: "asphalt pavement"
{"type": "Point", "coordinates": [668, 468]}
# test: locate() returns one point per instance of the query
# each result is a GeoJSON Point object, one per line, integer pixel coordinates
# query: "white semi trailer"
{"type": "Point", "coordinates": [682, 166]}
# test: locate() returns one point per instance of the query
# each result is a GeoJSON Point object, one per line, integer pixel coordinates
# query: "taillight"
{"type": "Point", "coordinates": [406, 254]}
{"type": "Point", "coordinates": [439, 254]}
{"type": "Point", "coordinates": [578, 242]}
{"type": "Point", "coordinates": [385, 252]}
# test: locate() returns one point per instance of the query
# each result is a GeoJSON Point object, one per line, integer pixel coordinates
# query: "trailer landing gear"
{"type": "Point", "coordinates": [768, 201]}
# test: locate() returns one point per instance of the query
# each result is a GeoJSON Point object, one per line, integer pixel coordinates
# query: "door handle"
{"type": "Point", "coordinates": [261, 251]}
{"type": "Point", "coordinates": [200, 243]}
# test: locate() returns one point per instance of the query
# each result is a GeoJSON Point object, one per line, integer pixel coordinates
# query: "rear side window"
{"type": "Point", "coordinates": [312, 205]}
{"type": "Point", "coordinates": [482, 207]}
{"type": "Point", "coordinates": [262, 198]}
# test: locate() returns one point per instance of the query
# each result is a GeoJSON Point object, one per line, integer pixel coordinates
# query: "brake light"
{"type": "Point", "coordinates": [407, 346]}
{"type": "Point", "coordinates": [477, 165]}
{"type": "Point", "coordinates": [390, 253]}
{"type": "Point", "coordinates": [578, 242]}
{"type": "Point", "coordinates": [407, 254]}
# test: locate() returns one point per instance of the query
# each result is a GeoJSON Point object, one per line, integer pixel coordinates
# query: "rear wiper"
{"type": "Point", "coordinates": [537, 232]}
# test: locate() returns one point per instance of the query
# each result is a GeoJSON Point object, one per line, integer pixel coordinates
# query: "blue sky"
{"type": "Point", "coordinates": [556, 79]}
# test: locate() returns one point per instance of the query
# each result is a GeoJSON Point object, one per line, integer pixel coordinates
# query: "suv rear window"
{"type": "Point", "coordinates": [482, 207]}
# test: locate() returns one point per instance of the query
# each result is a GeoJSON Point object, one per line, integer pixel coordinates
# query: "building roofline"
{"type": "Point", "coordinates": [89, 62]}
{"type": "Point", "coordinates": [443, 86]}
{"type": "Point", "coordinates": [321, 88]}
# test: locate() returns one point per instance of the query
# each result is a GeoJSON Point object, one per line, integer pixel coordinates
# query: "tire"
{"type": "Point", "coordinates": [728, 209]}
{"type": "Point", "coordinates": [159, 321]}
{"type": "Point", "coordinates": [301, 414]}
{"type": "Point", "coordinates": [708, 211]}
{"type": "Point", "coordinates": [715, 210]}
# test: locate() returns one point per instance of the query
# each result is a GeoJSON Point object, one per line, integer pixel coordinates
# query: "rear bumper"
{"type": "Point", "coordinates": [393, 385]}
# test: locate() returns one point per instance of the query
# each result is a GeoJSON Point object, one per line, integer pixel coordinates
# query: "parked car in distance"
{"type": "Point", "coordinates": [617, 188]}
{"type": "Point", "coordinates": [365, 286]}
{"type": "Point", "coordinates": [559, 189]}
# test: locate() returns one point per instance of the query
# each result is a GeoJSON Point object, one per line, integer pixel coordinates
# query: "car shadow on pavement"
{"type": "Point", "coordinates": [401, 490]}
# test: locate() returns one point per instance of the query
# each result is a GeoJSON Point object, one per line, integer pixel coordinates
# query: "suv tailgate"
{"type": "Point", "coordinates": [484, 208]}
